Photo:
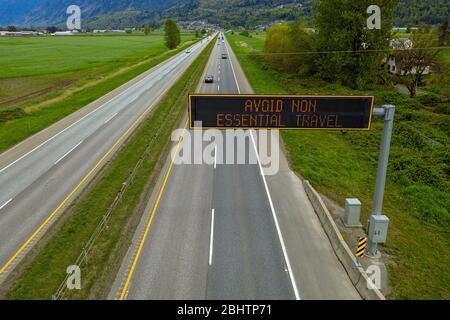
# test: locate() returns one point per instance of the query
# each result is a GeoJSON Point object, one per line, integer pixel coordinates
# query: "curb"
{"type": "Point", "coordinates": [356, 273]}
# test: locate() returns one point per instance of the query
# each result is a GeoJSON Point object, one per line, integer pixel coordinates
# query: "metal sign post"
{"type": "Point", "coordinates": [339, 113]}
{"type": "Point", "coordinates": [378, 223]}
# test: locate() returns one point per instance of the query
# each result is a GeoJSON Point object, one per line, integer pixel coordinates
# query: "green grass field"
{"type": "Point", "coordinates": [37, 56]}
{"type": "Point", "coordinates": [59, 75]}
{"type": "Point", "coordinates": [33, 64]}
{"type": "Point", "coordinates": [339, 165]}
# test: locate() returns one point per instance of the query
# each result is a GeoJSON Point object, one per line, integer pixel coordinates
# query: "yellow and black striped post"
{"type": "Point", "coordinates": [362, 242]}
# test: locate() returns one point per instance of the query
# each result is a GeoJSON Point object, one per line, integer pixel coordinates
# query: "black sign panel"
{"type": "Point", "coordinates": [281, 112]}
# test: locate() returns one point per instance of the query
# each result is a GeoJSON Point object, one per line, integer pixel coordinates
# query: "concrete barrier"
{"type": "Point", "coordinates": [356, 273]}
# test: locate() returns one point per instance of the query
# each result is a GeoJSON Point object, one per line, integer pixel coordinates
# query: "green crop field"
{"type": "Point", "coordinates": [344, 165]}
{"type": "Point", "coordinates": [25, 57]}
{"type": "Point", "coordinates": [43, 79]}
{"type": "Point", "coordinates": [39, 64]}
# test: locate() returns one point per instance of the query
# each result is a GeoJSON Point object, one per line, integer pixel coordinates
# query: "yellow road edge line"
{"type": "Point", "coordinates": [144, 237]}
{"type": "Point", "coordinates": [155, 207]}
{"type": "Point", "coordinates": [53, 214]}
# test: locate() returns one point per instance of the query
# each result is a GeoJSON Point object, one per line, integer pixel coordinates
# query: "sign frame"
{"type": "Point", "coordinates": [191, 126]}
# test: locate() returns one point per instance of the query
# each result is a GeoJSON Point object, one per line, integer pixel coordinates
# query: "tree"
{"type": "Point", "coordinates": [11, 28]}
{"type": "Point", "coordinates": [413, 62]}
{"type": "Point", "coordinates": [351, 53]}
{"type": "Point", "coordinates": [172, 34]}
{"type": "Point", "coordinates": [443, 34]}
{"type": "Point", "coordinates": [52, 29]}
{"type": "Point", "coordinates": [245, 33]}
{"type": "Point", "coordinates": [146, 29]}
{"type": "Point", "coordinates": [290, 47]}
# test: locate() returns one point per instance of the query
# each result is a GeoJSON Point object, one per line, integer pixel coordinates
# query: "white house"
{"type": "Point", "coordinates": [20, 33]}
{"type": "Point", "coordinates": [393, 68]}
{"type": "Point", "coordinates": [402, 43]}
{"type": "Point", "coordinates": [63, 33]}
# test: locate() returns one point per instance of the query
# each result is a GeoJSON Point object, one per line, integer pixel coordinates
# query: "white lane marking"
{"type": "Point", "coordinates": [218, 88]}
{"type": "Point", "coordinates": [110, 118]}
{"type": "Point", "coordinates": [211, 239]}
{"type": "Point", "coordinates": [29, 152]}
{"type": "Point", "coordinates": [67, 153]}
{"type": "Point", "coordinates": [215, 156]}
{"type": "Point", "coordinates": [280, 236]}
{"type": "Point", "coordinates": [5, 204]}
{"type": "Point", "coordinates": [232, 69]}
{"type": "Point", "coordinates": [159, 68]}
{"type": "Point", "coordinates": [218, 79]}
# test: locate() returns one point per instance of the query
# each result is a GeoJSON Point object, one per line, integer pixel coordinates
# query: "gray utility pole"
{"type": "Point", "coordinates": [378, 223]}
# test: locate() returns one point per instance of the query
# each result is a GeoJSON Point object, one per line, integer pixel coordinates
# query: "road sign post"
{"type": "Point", "coordinates": [378, 223]}
{"type": "Point", "coordinates": [339, 113]}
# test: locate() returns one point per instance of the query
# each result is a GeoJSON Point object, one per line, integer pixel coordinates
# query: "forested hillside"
{"type": "Point", "coordinates": [227, 13]}
{"type": "Point", "coordinates": [422, 11]}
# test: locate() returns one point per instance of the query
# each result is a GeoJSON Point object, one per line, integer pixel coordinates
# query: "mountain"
{"type": "Point", "coordinates": [415, 12]}
{"type": "Point", "coordinates": [48, 12]}
{"type": "Point", "coordinates": [13, 11]}
{"type": "Point", "coordinates": [246, 13]}
{"type": "Point", "coordinates": [227, 13]}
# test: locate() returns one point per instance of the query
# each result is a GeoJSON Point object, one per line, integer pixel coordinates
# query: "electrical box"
{"type": "Point", "coordinates": [352, 212]}
{"type": "Point", "coordinates": [378, 226]}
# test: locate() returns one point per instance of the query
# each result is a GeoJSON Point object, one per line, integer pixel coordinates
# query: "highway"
{"type": "Point", "coordinates": [39, 181]}
{"type": "Point", "coordinates": [226, 231]}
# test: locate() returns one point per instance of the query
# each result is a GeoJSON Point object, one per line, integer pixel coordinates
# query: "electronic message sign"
{"type": "Point", "coordinates": [281, 112]}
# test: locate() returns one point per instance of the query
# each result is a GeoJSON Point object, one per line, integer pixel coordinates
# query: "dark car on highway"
{"type": "Point", "coordinates": [209, 79]}
{"type": "Point", "coordinates": [224, 56]}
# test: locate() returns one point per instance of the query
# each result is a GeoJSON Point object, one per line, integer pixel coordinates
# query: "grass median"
{"type": "Point", "coordinates": [41, 278]}
{"type": "Point", "coordinates": [344, 165]}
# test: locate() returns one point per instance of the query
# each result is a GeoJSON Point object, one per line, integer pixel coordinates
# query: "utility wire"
{"type": "Point", "coordinates": [259, 53]}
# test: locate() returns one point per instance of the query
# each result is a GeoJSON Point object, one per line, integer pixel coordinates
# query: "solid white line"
{"type": "Point", "coordinates": [110, 118]}
{"type": "Point", "coordinates": [5, 204]}
{"type": "Point", "coordinates": [158, 68]}
{"type": "Point", "coordinates": [218, 88]}
{"type": "Point", "coordinates": [211, 240]}
{"type": "Point", "coordinates": [232, 69]}
{"type": "Point", "coordinates": [215, 156]}
{"type": "Point", "coordinates": [280, 236]}
{"type": "Point", "coordinates": [67, 153]}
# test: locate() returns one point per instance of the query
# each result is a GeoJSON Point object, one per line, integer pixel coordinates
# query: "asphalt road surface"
{"type": "Point", "coordinates": [219, 231]}
{"type": "Point", "coordinates": [36, 186]}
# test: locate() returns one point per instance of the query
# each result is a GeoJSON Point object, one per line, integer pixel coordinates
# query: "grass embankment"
{"type": "Point", "coordinates": [67, 73]}
{"type": "Point", "coordinates": [417, 198]}
{"type": "Point", "coordinates": [42, 277]}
